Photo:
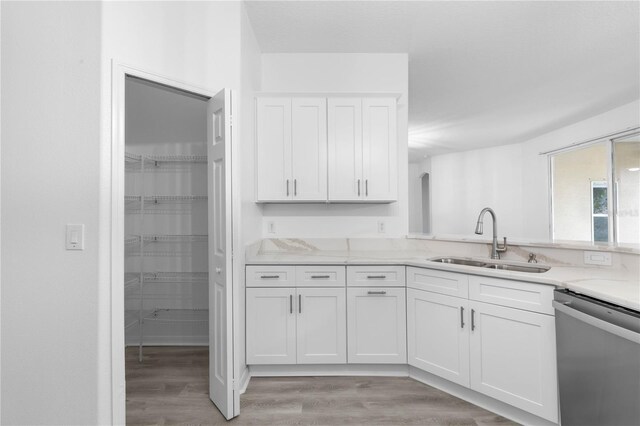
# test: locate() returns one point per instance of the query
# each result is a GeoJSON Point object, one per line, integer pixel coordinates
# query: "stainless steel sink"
{"type": "Point", "coordinates": [538, 269]}
{"type": "Point", "coordinates": [518, 268]}
{"type": "Point", "coordinates": [459, 261]}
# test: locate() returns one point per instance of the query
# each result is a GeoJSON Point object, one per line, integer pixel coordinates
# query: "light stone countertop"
{"type": "Point", "coordinates": [617, 285]}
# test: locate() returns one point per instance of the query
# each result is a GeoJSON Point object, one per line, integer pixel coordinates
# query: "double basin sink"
{"type": "Point", "coordinates": [491, 265]}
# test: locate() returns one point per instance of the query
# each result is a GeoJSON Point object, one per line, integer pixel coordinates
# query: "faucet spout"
{"type": "Point", "coordinates": [496, 249]}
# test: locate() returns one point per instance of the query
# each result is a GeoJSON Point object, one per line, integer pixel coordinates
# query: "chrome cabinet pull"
{"type": "Point", "coordinates": [376, 277]}
{"type": "Point", "coordinates": [269, 277]}
{"type": "Point", "coordinates": [295, 187]}
{"type": "Point", "coordinates": [287, 187]}
{"type": "Point", "coordinates": [473, 320]}
{"type": "Point", "coordinates": [299, 303]}
{"type": "Point", "coordinates": [461, 317]}
{"type": "Point", "coordinates": [358, 187]}
{"type": "Point", "coordinates": [376, 292]}
{"type": "Point", "coordinates": [291, 303]}
{"type": "Point", "coordinates": [366, 187]}
{"type": "Point", "coordinates": [315, 277]}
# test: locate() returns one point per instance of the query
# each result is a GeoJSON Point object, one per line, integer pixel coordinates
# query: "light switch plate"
{"type": "Point", "coordinates": [75, 237]}
{"type": "Point", "coordinates": [597, 258]}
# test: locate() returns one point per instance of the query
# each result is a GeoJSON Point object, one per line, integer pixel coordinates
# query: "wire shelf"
{"type": "Point", "coordinates": [131, 240]}
{"type": "Point", "coordinates": [131, 279]}
{"type": "Point", "coordinates": [132, 158]}
{"type": "Point", "coordinates": [176, 158]}
{"type": "Point", "coordinates": [177, 277]}
{"type": "Point", "coordinates": [175, 238]}
{"type": "Point", "coordinates": [178, 315]}
{"type": "Point", "coordinates": [131, 318]}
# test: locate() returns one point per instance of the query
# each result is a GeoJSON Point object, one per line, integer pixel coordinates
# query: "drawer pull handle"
{"type": "Point", "coordinates": [291, 303]}
{"type": "Point", "coordinates": [269, 277]}
{"type": "Point", "coordinates": [461, 317]}
{"type": "Point", "coordinates": [299, 303]}
{"type": "Point", "coordinates": [376, 277]}
{"type": "Point", "coordinates": [315, 277]}
{"type": "Point", "coordinates": [473, 320]}
{"type": "Point", "coordinates": [376, 292]}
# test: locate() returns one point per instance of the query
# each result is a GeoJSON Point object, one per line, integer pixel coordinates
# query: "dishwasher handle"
{"type": "Point", "coordinates": [565, 308]}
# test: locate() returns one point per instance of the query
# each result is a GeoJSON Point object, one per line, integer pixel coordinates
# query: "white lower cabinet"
{"type": "Point", "coordinates": [438, 334]}
{"type": "Point", "coordinates": [512, 355]}
{"type": "Point", "coordinates": [376, 324]}
{"type": "Point", "coordinates": [296, 326]}
{"type": "Point", "coordinates": [271, 326]}
{"type": "Point", "coordinates": [321, 323]}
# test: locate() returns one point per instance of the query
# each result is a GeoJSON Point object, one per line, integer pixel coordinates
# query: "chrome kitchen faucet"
{"type": "Point", "coordinates": [495, 248]}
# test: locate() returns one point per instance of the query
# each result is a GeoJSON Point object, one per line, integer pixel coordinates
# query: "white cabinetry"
{"type": "Point", "coordinates": [512, 355]}
{"type": "Point", "coordinates": [271, 326]}
{"type": "Point", "coordinates": [291, 149]}
{"type": "Point", "coordinates": [362, 140]}
{"type": "Point", "coordinates": [496, 348]}
{"type": "Point", "coordinates": [438, 334]}
{"type": "Point", "coordinates": [376, 323]}
{"type": "Point", "coordinates": [322, 331]}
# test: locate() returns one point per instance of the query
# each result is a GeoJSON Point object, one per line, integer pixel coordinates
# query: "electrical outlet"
{"type": "Point", "coordinates": [271, 227]}
{"type": "Point", "coordinates": [597, 258]}
{"type": "Point", "coordinates": [382, 228]}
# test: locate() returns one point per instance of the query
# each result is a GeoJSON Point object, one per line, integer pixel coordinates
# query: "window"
{"type": "Point", "coordinates": [595, 191]}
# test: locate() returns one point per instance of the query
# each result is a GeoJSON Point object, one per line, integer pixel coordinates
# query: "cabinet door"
{"type": "Point", "coordinates": [271, 326]}
{"type": "Point", "coordinates": [321, 325]}
{"type": "Point", "coordinates": [345, 149]}
{"type": "Point", "coordinates": [513, 360]}
{"type": "Point", "coordinates": [377, 325]}
{"type": "Point", "coordinates": [438, 335]}
{"type": "Point", "coordinates": [273, 149]}
{"type": "Point", "coordinates": [309, 149]}
{"type": "Point", "coordinates": [379, 149]}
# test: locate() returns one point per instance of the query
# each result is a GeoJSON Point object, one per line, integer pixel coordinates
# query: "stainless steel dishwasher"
{"type": "Point", "coordinates": [598, 348]}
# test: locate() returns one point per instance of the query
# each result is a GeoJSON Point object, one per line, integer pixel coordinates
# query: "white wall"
{"type": "Point", "coordinates": [513, 179]}
{"type": "Point", "coordinates": [50, 170]}
{"type": "Point", "coordinates": [197, 43]}
{"type": "Point", "coordinates": [329, 72]}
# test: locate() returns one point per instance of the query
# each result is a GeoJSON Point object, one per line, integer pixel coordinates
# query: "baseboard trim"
{"type": "Point", "coordinates": [476, 398]}
{"type": "Point", "coordinates": [243, 382]}
{"type": "Point", "coordinates": [389, 370]}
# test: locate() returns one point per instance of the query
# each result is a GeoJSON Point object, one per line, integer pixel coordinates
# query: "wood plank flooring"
{"type": "Point", "coordinates": [171, 387]}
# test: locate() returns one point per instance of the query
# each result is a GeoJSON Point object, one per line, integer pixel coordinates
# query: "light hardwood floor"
{"type": "Point", "coordinates": [171, 387]}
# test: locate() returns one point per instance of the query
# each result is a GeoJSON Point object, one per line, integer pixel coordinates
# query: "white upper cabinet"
{"type": "Point", "coordinates": [291, 149]}
{"type": "Point", "coordinates": [317, 149]}
{"type": "Point", "coordinates": [273, 149]}
{"type": "Point", "coordinates": [345, 149]}
{"type": "Point", "coordinates": [309, 149]}
{"type": "Point", "coordinates": [363, 149]}
{"type": "Point", "coordinates": [379, 149]}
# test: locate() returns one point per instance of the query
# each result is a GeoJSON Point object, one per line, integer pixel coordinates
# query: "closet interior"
{"type": "Point", "coordinates": [166, 241]}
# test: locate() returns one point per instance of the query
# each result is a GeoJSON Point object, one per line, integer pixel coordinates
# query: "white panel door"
{"type": "Point", "coordinates": [513, 357]}
{"type": "Point", "coordinates": [376, 325]}
{"type": "Point", "coordinates": [379, 149]}
{"type": "Point", "coordinates": [219, 142]}
{"type": "Point", "coordinates": [321, 326]}
{"type": "Point", "coordinates": [438, 335]}
{"type": "Point", "coordinates": [309, 149]}
{"type": "Point", "coordinates": [273, 149]}
{"type": "Point", "coordinates": [271, 326]}
{"type": "Point", "coordinates": [344, 117]}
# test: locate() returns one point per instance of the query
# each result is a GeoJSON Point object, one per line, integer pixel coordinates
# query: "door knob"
{"type": "Point", "coordinates": [218, 270]}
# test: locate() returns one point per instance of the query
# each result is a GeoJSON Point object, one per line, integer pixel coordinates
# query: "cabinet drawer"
{"type": "Point", "coordinates": [376, 276]}
{"type": "Point", "coordinates": [514, 294]}
{"type": "Point", "coordinates": [436, 281]}
{"type": "Point", "coordinates": [320, 276]}
{"type": "Point", "coordinates": [270, 276]}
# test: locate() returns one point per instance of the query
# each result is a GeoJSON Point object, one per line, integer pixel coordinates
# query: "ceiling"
{"type": "Point", "coordinates": [480, 73]}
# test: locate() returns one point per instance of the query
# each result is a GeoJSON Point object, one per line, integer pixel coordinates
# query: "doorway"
{"type": "Point", "coordinates": [171, 197]}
